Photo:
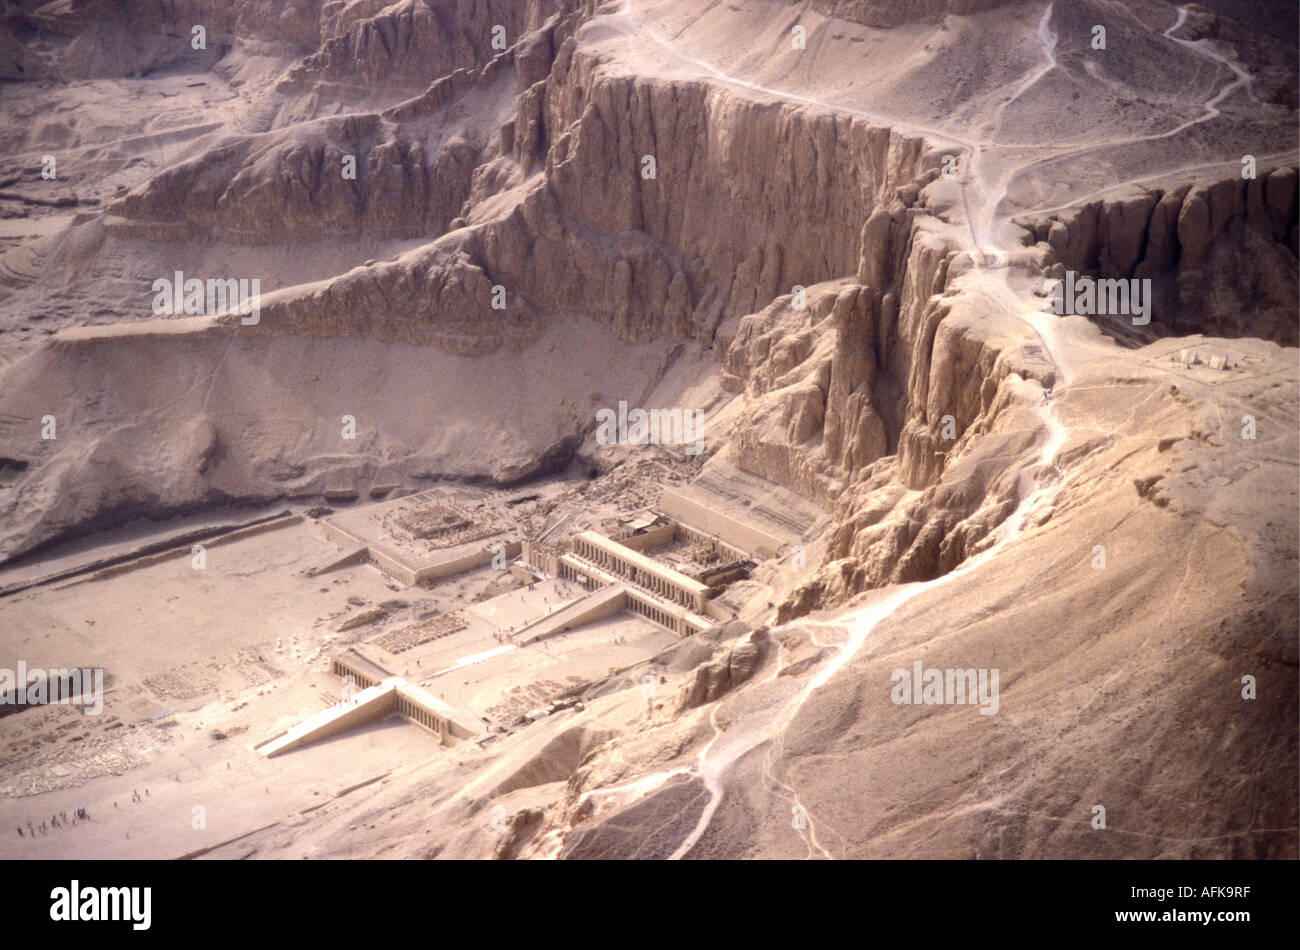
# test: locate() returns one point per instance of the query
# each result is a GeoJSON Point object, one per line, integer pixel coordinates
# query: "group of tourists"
{"type": "Point", "coordinates": [59, 820]}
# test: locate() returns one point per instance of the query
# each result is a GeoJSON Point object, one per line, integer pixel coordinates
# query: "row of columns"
{"type": "Point", "coordinates": [657, 614]}
{"type": "Point", "coordinates": [422, 716]}
{"type": "Point", "coordinates": [641, 605]}
{"type": "Point", "coordinates": [637, 575]}
{"type": "Point", "coordinates": [571, 574]}
{"type": "Point", "coordinates": [342, 670]}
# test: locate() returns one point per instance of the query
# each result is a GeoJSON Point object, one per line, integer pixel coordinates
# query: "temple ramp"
{"type": "Point", "coordinates": [364, 706]}
{"type": "Point", "coordinates": [595, 606]}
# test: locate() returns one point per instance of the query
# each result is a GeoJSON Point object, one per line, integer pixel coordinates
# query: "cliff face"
{"type": "Point", "coordinates": [594, 234]}
{"type": "Point", "coordinates": [307, 187]}
{"type": "Point", "coordinates": [410, 44]}
{"type": "Point", "coordinates": [794, 187]}
{"type": "Point", "coordinates": [1221, 254]}
{"type": "Point", "coordinates": [85, 39]}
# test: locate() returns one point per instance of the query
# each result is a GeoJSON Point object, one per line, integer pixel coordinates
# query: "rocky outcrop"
{"type": "Point", "coordinates": [898, 373]}
{"type": "Point", "coordinates": [335, 177]}
{"type": "Point", "coordinates": [101, 38]}
{"type": "Point", "coordinates": [410, 44]}
{"type": "Point", "coordinates": [803, 200]}
{"type": "Point", "coordinates": [592, 235]}
{"type": "Point", "coordinates": [1221, 255]}
{"type": "Point", "coordinates": [716, 678]}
